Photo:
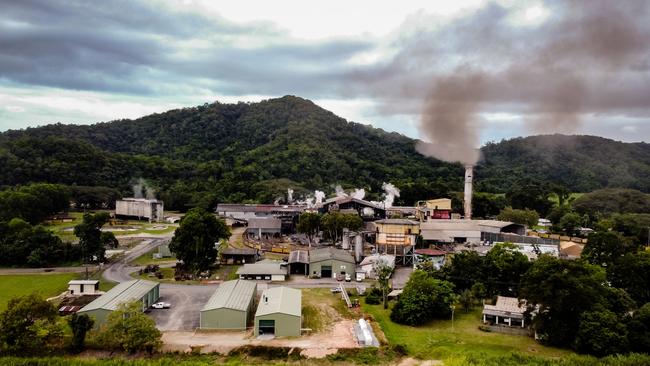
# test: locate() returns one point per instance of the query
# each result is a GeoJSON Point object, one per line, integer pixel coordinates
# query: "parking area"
{"type": "Point", "coordinates": [186, 303]}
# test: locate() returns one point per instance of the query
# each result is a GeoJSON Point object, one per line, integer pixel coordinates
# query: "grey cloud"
{"type": "Point", "coordinates": [145, 48]}
{"type": "Point", "coordinates": [589, 57]}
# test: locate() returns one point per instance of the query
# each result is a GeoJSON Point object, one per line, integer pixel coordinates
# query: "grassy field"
{"type": "Point", "coordinates": [147, 258]}
{"type": "Point", "coordinates": [437, 340]}
{"type": "Point", "coordinates": [47, 285]}
{"type": "Point", "coordinates": [65, 229]}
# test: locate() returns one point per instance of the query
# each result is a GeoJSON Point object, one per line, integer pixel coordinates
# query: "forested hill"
{"type": "Point", "coordinates": [580, 163]}
{"type": "Point", "coordinates": [254, 151]}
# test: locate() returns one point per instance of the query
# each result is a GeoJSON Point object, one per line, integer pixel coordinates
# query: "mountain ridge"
{"type": "Point", "coordinates": [252, 151]}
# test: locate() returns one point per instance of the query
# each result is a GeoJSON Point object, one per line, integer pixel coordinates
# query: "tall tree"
{"type": "Point", "coordinates": [605, 248]}
{"type": "Point", "coordinates": [504, 266]}
{"type": "Point", "coordinates": [309, 224]}
{"type": "Point", "coordinates": [423, 299]}
{"type": "Point", "coordinates": [80, 325]}
{"type": "Point", "coordinates": [29, 325]}
{"type": "Point", "coordinates": [91, 241]}
{"type": "Point", "coordinates": [195, 242]}
{"type": "Point", "coordinates": [632, 273]}
{"type": "Point", "coordinates": [563, 290]}
{"type": "Point", "coordinates": [383, 272]}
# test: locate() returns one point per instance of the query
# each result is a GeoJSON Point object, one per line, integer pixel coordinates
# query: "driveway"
{"type": "Point", "coordinates": [186, 301]}
{"type": "Point", "coordinates": [339, 335]}
{"type": "Point", "coordinates": [401, 276]}
{"type": "Point", "coordinates": [120, 271]}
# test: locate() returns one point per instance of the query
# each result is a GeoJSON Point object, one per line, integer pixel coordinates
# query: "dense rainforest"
{"type": "Point", "coordinates": [255, 151]}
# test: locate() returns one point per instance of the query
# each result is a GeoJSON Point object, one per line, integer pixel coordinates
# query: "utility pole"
{"type": "Point", "coordinates": [452, 317]}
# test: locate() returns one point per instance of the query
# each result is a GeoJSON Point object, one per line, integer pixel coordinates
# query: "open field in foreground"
{"type": "Point", "coordinates": [437, 340]}
{"type": "Point", "coordinates": [47, 285]}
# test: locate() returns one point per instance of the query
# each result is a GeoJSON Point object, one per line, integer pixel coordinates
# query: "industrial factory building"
{"type": "Point", "coordinates": [438, 209]}
{"type": "Point", "coordinates": [279, 313]}
{"type": "Point", "coordinates": [466, 231]}
{"type": "Point", "coordinates": [367, 210]}
{"type": "Point", "coordinates": [145, 292]}
{"type": "Point", "coordinates": [397, 237]}
{"type": "Point", "coordinates": [264, 227]}
{"type": "Point", "coordinates": [140, 208]}
{"type": "Point", "coordinates": [329, 262]}
{"type": "Point", "coordinates": [243, 213]}
{"type": "Point", "coordinates": [230, 306]}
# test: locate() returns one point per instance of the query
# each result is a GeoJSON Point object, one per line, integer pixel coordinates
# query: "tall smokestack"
{"type": "Point", "coordinates": [469, 171]}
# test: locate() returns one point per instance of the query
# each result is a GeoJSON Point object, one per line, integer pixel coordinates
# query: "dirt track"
{"type": "Point", "coordinates": [340, 335]}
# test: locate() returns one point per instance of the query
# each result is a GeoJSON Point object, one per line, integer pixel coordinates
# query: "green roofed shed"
{"type": "Point", "coordinates": [279, 312]}
{"type": "Point", "coordinates": [146, 292]}
{"type": "Point", "coordinates": [230, 306]}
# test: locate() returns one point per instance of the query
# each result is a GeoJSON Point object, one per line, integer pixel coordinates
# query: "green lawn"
{"type": "Point", "coordinates": [47, 285]}
{"type": "Point", "coordinates": [438, 341]}
{"type": "Point", "coordinates": [64, 229]}
{"type": "Point", "coordinates": [147, 258]}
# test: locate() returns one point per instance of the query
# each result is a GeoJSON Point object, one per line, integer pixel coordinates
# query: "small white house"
{"type": "Point", "coordinates": [83, 287]}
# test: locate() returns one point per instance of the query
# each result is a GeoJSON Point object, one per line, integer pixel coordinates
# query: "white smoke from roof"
{"type": "Point", "coordinates": [319, 196]}
{"type": "Point", "coordinates": [340, 192]}
{"type": "Point", "coordinates": [391, 193]}
{"type": "Point", "coordinates": [358, 193]}
{"type": "Point", "coordinates": [289, 195]}
{"type": "Point", "coordinates": [142, 190]}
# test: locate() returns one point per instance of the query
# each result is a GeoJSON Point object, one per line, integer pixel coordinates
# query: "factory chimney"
{"type": "Point", "coordinates": [469, 171]}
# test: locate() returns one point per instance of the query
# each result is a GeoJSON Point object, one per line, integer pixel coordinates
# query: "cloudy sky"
{"type": "Point", "coordinates": [466, 71]}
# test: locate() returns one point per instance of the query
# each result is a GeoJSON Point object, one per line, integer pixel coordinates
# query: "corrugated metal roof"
{"type": "Point", "coordinates": [264, 223]}
{"type": "Point", "coordinates": [397, 222]}
{"type": "Point", "coordinates": [508, 304]}
{"type": "Point", "coordinates": [323, 254]}
{"type": "Point", "coordinates": [263, 268]}
{"type": "Point", "coordinates": [122, 293]}
{"type": "Point", "coordinates": [239, 251]}
{"type": "Point", "coordinates": [234, 295]}
{"type": "Point", "coordinates": [282, 300]}
{"type": "Point", "coordinates": [299, 256]}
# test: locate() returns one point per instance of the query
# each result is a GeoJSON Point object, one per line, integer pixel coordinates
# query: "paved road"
{"type": "Point", "coordinates": [78, 269]}
{"type": "Point", "coordinates": [120, 271]}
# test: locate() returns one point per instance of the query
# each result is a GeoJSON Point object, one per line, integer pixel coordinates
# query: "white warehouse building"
{"type": "Point", "coordinates": [140, 208]}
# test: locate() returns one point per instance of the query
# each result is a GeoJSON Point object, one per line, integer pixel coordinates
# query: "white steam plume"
{"type": "Point", "coordinates": [391, 193]}
{"type": "Point", "coordinates": [319, 196]}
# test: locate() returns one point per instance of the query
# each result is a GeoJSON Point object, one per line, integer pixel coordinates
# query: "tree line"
{"type": "Point", "coordinates": [32, 326]}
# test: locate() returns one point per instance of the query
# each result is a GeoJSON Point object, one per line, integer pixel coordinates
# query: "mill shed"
{"type": "Point", "coordinates": [230, 306]}
{"type": "Point", "coordinates": [145, 292]}
{"type": "Point", "coordinates": [279, 312]}
{"type": "Point", "coordinates": [330, 262]}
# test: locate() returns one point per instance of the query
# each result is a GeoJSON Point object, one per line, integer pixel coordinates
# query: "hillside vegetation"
{"type": "Point", "coordinates": [254, 151]}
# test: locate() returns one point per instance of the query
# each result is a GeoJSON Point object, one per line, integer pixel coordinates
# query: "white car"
{"type": "Point", "coordinates": [348, 278]}
{"type": "Point", "coordinates": [161, 305]}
